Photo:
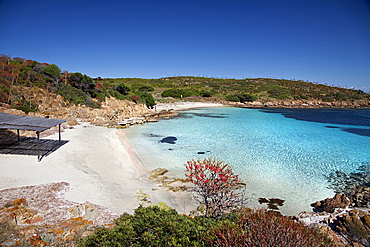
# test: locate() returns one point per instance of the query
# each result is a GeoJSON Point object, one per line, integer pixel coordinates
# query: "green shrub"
{"type": "Point", "coordinates": [75, 95]}
{"type": "Point", "coordinates": [152, 226]}
{"type": "Point", "coordinates": [205, 94]}
{"type": "Point", "coordinates": [52, 71]}
{"type": "Point", "coordinates": [246, 97]}
{"type": "Point", "coordinates": [179, 93]}
{"type": "Point", "coordinates": [341, 96]}
{"type": "Point", "coordinates": [241, 98]}
{"type": "Point", "coordinates": [356, 97]}
{"type": "Point", "coordinates": [146, 98]}
{"type": "Point", "coordinates": [4, 88]}
{"type": "Point", "coordinates": [117, 94]}
{"type": "Point", "coordinates": [20, 103]}
{"type": "Point", "coordinates": [122, 88]}
{"type": "Point", "coordinates": [26, 109]}
{"type": "Point", "coordinates": [279, 93]}
{"type": "Point", "coordinates": [146, 89]}
{"type": "Point", "coordinates": [233, 98]}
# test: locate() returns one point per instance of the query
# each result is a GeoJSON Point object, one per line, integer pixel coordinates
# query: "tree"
{"type": "Point", "coordinates": [215, 186]}
{"type": "Point", "coordinates": [147, 98]}
{"type": "Point", "coordinates": [246, 98]}
{"type": "Point", "coordinates": [83, 82]}
{"type": "Point", "coordinates": [53, 72]}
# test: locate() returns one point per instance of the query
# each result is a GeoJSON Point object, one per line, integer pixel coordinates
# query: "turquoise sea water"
{"type": "Point", "coordinates": [279, 153]}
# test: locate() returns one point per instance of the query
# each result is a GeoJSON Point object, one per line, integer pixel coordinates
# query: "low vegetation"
{"type": "Point", "coordinates": [225, 223]}
{"type": "Point", "coordinates": [155, 226]}
{"type": "Point", "coordinates": [78, 88]}
{"type": "Point", "coordinates": [75, 88]}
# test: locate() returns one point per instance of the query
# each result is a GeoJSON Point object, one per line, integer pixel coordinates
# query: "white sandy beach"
{"type": "Point", "coordinates": [100, 166]}
{"type": "Point", "coordinates": [177, 106]}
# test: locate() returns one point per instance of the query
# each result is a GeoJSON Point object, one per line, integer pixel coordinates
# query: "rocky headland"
{"type": "Point", "coordinates": [288, 103]}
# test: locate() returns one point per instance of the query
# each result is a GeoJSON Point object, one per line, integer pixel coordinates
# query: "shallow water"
{"type": "Point", "coordinates": [279, 153]}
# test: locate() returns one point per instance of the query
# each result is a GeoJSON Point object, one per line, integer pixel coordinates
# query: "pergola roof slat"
{"type": "Point", "coordinates": [9, 121]}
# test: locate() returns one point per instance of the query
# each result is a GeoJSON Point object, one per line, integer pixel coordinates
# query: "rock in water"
{"type": "Point", "coordinates": [169, 139]}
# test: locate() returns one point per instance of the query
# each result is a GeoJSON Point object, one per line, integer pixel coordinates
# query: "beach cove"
{"type": "Point", "coordinates": [100, 166]}
{"type": "Point", "coordinates": [110, 167]}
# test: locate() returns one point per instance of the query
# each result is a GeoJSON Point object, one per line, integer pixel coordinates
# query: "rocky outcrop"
{"type": "Point", "coordinates": [112, 112]}
{"type": "Point", "coordinates": [330, 204]}
{"type": "Point", "coordinates": [350, 227]}
{"type": "Point", "coordinates": [354, 227]}
{"type": "Point", "coordinates": [359, 197]}
{"type": "Point", "coordinates": [47, 201]}
{"type": "Point", "coordinates": [304, 103]}
{"type": "Point", "coordinates": [168, 182]}
{"type": "Point", "coordinates": [346, 215]}
{"type": "Point", "coordinates": [40, 216]}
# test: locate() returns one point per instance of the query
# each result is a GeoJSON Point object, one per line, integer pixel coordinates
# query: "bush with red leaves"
{"type": "Point", "coordinates": [215, 186]}
{"type": "Point", "coordinates": [266, 228]}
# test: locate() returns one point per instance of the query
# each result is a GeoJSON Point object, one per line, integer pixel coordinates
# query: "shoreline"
{"type": "Point", "coordinates": [100, 165]}
{"type": "Point", "coordinates": [185, 105]}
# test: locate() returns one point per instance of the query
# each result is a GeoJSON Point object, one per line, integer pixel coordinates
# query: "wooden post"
{"type": "Point", "coordinates": [38, 146]}
{"type": "Point", "coordinates": [19, 139]}
{"type": "Point", "coordinates": [60, 137]}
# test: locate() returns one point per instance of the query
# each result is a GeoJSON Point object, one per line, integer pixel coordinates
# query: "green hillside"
{"type": "Point", "coordinates": [78, 88]}
{"type": "Point", "coordinates": [242, 89]}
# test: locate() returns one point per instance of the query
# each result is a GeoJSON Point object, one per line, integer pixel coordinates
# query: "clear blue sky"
{"type": "Point", "coordinates": [325, 41]}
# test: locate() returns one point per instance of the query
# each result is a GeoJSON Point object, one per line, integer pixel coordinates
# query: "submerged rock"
{"type": "Point", "coordinates": [272, 203]}
{"type": "Point", "coordinates": [169, 139]}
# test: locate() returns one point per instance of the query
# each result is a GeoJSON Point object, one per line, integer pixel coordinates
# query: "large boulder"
{"type": "Point", "coordinates": [354, 226]}
{"type": "Point", "coordinates": [330, 204]}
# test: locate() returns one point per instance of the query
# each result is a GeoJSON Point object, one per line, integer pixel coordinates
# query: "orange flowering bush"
{"type": "Point", "coordinates": [215, 186]}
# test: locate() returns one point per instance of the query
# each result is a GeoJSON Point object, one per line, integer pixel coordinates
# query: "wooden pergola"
{"type": "Point", "coordinates": [10, 121]}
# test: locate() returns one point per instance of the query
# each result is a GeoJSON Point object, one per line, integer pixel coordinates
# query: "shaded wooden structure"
{"type": "Point", "coordinates": [10, 121]}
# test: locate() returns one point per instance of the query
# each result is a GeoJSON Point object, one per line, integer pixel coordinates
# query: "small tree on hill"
{"type": "Point", "coordinates": [215, 186]}
{"type": "Point", "coordinates": [53, 72]}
